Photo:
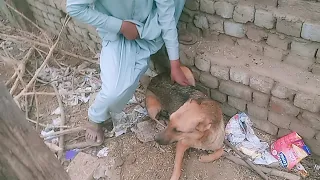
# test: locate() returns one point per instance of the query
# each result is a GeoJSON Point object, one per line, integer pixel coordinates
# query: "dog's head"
{"type": "Point", "coordinates": [189, 122]}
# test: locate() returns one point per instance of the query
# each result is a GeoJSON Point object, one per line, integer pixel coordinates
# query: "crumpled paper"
{"type": "Point", "coordinates": [240, 133]}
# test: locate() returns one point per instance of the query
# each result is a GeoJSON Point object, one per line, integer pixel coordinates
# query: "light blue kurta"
{"type": "Point", "coordinates": [122, 61]}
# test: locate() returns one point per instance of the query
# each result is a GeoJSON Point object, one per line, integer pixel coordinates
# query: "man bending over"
{"type": "Point", "coordinates": [131, 31]}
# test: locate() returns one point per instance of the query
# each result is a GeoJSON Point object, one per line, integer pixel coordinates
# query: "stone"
{"type": "Point", "coordinates": [304, 63]}
{"type": "Point", "coordinates": [306, 49]}
{"type": "Point", "coordinates": [237, 103]}
{"type": "Point", "coordinates": [236, 89]}
{"type": "Point", "coordinates": [186, 60]}
{"type": "Point", "coordinates": [196, 73]}
{"type": "Point", "coordinates": [311, 31]}
{"type": "Point", "coordinates": [250, 45]}
{"type": "Point", "coordinates": [282, 132]}
{"type": "Point", "coordinates": [305, 131]}
{"type": "Point", "coordinates": [290, 28]}
{"type": "Point", "coordinates": [280, 91]}
{"type": "Point", "coordinates": [208, 80]}
{"type": "Point", "coordinates": [314, 145]}
{"type": "Point", "coordinates": [215, 23]}
{"type": "Point", "coordinates": [228, 110]}
{"type": "Point", "coordinates": [318, 136]}
{"type": "Point", "coordinates": [224, 9]}
{"type": "Point", "coordinates": [220, 72]}
{"type": "Point", "coordinates": [261, 83]}
{"type": "Point", "coordinates": [312, 119]}
{"type": "Point", "coordinates": [202, 63]}
{"type": "Point", "coordinates": [275, 41]}
{"type": "Point", "coordinates": [255, 33]}
{"type": "Point", "coordinates": [266, 4]}
{"type": "Point", "coordinates": [145, 131]}
{"type": "Point", "coordinates": [316, 69]}
{"type": "Point", "coordinates": [185, 18]}
{"type": "Point", "coordinates": [264, 19]}
{"type": "Point", "coordinates": [318, 56]}
{"type": "Point", "coordinates": [260, 99]}
{"type": "Point", "coordinates": [308, 102]}
{"type": "Point", "coordinates": [282, 121]}
{"type": "Point", "coordinates": [243, 13]}
{"type": "Point", "coordinates": [234, 29]}
{"type": "Point", "coordinates": [240, 75]}
{"type": "Point", "coordinates": [193, 5]}
{"type": "Point", "coordinates": [201, 22]}
{"type": "Point", "coordinates": [264, 125]}
{"type": "Point", "coordinates": [201, 87]}
{"type": "Point", "coordinates": [226, 39]}
{"type": "Point", "coordinates": [281, 106]}
{"type": "Point", "coordinates": [207, 6]}
{"type": "Point", "coordinates": [190, 13]}
{"type": "Point", "coordinates": [257, 112]}
{"type": "Point", "coordinates": [218, 96]}
{"type": "Point", "coordinates": [193, 29]}
{"type": "Point", "coordinates": [273, 53]}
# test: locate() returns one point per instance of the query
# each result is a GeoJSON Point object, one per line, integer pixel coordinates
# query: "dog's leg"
{"type": "Point", "coordinates": [211, 157]}
{"type": "Point", "coordinates": [180, 149]}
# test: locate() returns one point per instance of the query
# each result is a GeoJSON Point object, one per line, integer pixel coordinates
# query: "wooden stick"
{"type": "Point", "coordinates": [63, 120]}
{"type": "Point", "coordinates": [254, 167]}
{"type": "Point", "coordinates": [54, 148]}
{"type": "Point", "coordinates": [63, 132]}
{"type": "Point", "coordinates": [37, 108]}
{"type": "Point", "coordinates": [12, 78]}
{"type": "Point", "coordinates": [17, 38]}
{"type": "Point", "coordinates": [46, 125]}
{"type": "Point", "coordinates": [266, 170]}
{"type": "Point", "coordinates": [42, 65]}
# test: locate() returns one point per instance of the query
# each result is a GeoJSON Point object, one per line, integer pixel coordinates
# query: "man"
{"type": "Point", "coordinates": [131, 31]}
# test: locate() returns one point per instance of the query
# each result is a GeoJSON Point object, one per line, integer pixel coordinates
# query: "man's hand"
{"type": "Point", "coordinates": [129, 30]}
{"type": "Point", "coordinates": [177, 74]}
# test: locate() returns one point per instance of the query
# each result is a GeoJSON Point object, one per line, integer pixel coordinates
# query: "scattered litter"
{"type": "Point", "coordinates": [103, 152]}
{"type": "Point", "coordinates": [71, 154]}
{"type": "Point", "coordinates": [317, 167]}
{"type": "Point", "coordinates": [120, 132]}
{"type": "Point", "coordinates": [50, 139]}
{"type": "Point", "coordinates": [69, 80]}
{"type": "Point", "coordinates": [289, 150]}
{"type": "Point", "coordinates": [302, 171]}
{"type": "Point", "coordinates": [56, 121]}
{"type": "Point", "coordinates": [133, 100]}
{"type": "Point", "coordinates": [240, 134]}
{"type": "Point", "coordinates": [141, 110]}
{"type": "Point", "coordinates": [57, 111]}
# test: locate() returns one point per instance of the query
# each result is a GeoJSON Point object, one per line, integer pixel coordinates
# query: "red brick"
{"type": "Point", "coordinates": [283, 107]}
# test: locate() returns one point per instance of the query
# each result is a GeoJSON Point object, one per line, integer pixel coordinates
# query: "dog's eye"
{"type": "Point", "coordinates": [176, 130]}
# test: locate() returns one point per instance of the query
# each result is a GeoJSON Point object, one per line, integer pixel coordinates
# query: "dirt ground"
{"type": "Point", "coordinates": [142, 161]}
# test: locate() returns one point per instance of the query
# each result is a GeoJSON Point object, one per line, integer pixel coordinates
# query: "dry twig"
{"type": "Point", "coordinates": [254, 167]}
{"type": "Point", "coordinates": [64, 132]}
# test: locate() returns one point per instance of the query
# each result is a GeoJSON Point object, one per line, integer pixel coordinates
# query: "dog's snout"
{"type": "Point", "coordinates": [161, 140]}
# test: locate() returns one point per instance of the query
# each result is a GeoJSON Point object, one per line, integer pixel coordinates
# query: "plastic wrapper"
{"type": "Point", "coordinates": [289, 150]}
{"type": "Point", "coordinates": [240, 133]}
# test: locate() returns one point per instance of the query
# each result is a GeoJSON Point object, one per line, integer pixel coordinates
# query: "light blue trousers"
{"type": "Point", "coordinates": [122, 63]}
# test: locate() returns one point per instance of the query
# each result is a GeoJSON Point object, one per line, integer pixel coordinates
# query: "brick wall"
{"type": "Point", "coordinates": [287, 32]}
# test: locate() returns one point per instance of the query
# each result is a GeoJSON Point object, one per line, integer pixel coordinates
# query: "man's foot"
{"type": "Point", "coordinates": [95, 133]}
{"type": "Point", "coordinates": [187, 38]}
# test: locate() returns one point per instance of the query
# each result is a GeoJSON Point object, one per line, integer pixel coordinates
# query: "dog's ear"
{"type": "Point", "coordinates": [202, 126]}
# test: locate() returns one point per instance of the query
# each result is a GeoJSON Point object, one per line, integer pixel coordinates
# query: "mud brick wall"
{"type": "Point", "coordinates": [285, 31]}
{"type": "Point", "coordinates": [50, 15]}
{"type": "Point", "coordinates": [275, 30]}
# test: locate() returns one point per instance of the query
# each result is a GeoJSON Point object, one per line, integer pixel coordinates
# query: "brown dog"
{"type": "Point", "coordinates": [196, 121]}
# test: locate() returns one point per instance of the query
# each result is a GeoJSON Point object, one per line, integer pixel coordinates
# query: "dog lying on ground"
{"type": "Point", "coordinates": [195, 120]}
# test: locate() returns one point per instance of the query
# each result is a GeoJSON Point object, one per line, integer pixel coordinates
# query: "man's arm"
{"type": "Point", "coordinates": [81, 10]}
{"type": "Point", "coordinates": [166, 10]}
